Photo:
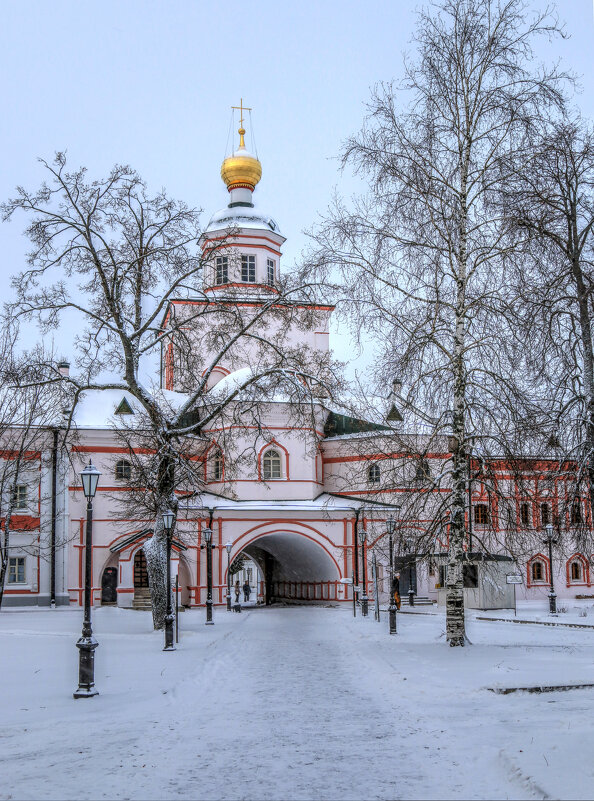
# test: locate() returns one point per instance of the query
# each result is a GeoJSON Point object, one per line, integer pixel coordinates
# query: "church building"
{"type": "Point", "coordinates": [308, 501]}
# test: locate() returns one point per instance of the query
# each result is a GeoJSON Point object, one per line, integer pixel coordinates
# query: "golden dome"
{"type": "Point", "coordinates": [241, 169]}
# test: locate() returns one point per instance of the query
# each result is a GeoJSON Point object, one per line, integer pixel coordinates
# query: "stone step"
{"type": "Point", "coordinates": [420, 600]}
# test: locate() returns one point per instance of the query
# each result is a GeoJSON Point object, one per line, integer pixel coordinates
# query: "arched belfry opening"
{"type": "Point", "coordinates": [295, 567]}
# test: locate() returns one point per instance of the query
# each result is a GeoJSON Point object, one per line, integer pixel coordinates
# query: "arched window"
{"type": "Point", "coordinates": [576, 571]}
{"type": "Point", "coordinates": [271, 465]}
{"type": "Point", "coordinates": [525, 515]}
{"type": "Point", "coordinates": [537, 571]}
{"type": "Point", "coordinates": [545, 514]}
{"type": "Point", "coordinates": [576, 513]}
{"type": "Point", "coordinates": [422, 472]}
{"type": "Point", "coordinates": [481, 514]}
{"type": "Point", "coordinates": [123, 470]}
{"type": "Point", "coordinates": [373, 474]}
{"type": "Point", "coordinates": [215, 465]}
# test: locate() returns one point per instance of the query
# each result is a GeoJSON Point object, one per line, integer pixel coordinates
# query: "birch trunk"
{"type": "Point", "coordinates": [155, 549]}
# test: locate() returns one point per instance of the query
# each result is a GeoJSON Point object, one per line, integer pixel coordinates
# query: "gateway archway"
{"type": "Point", "coordinates": [295, 567]}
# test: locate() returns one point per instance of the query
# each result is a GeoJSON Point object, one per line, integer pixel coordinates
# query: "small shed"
{"type": "Point", "coordinates": [485, 585]}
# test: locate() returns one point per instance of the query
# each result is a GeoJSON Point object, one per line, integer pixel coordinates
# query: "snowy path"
{"type": "Point", "coordinates": [290, 704]}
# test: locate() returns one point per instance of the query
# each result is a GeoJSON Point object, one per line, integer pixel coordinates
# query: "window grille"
{"type": "Point", "coordinates": [374, 474]}
{"type": "Point", "coordinates": [271, 465]}
{"type": "Point", "coordinates": [222, 270]}
{"type": "Point", "coordinates": [537, 571]}
{"type": "Point", "coordinates": [248, 269]}
{"type": "Point", "coordinates": [123, 470]}
{"type": "Point", "coordinates": [19, 498]}
{"type": "Point", "coordinates": [16, 570]}
{"type": "Point", "coordinates": [481, 514]}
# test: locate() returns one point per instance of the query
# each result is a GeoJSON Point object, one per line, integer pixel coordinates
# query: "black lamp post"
{"type": "Point", "coordinates": [87, 643]}
{"type": "Point", "coordinates": [411, 589]}
{"type": "Point", "coordinates": [364, 599]}
{"type": "Point", "coordinates": [391, 525]}
{"type": "Point", "coordinates": [228, 546]}
{"type": "Point", "coordinates": [552, 594]}
{"type": "Point", "coordinates": [168, 518]}
{"type": "Point", "coordinates": [208, 542]}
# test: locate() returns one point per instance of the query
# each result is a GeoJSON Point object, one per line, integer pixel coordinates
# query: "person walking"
{"type": "Point", "coordinates": [396, 590]}
{"type": "Point", "coordinates": [237, 591]}
{"type": "Point", "coordinates": [246, 591]}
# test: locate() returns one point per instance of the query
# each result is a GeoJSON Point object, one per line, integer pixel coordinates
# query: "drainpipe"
{"type": "Point", "coordinates": [53, 524]}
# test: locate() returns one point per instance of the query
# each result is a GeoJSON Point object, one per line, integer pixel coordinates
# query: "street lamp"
{"type": "Point", "coordinates": [87, 643]}
{"type": "Point", "coordinates": [208, 541]}
{"type": "Point", "coordinates": [228, 546]}
{"type": "Point", "coordinates": [391, 526]}
{"type": "Point", "coordinates": [549, 540]}
{"type": "Point", "coordinates": [411, 590]}
{"type": "Point", "coordinates": [168, 518]}
{"type": "Point", "coordinates": [364, 599]}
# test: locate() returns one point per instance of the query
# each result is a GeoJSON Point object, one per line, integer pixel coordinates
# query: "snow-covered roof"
{"type": "Point", "coordinates": [323, 502]}
{"type": "Point", "coordinates": [96, 408]}
{"type": "Point", "coordinates": [242, 217]}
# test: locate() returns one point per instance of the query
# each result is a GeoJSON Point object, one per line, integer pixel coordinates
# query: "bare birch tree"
{"type": "Point", "coordinates": [551, 198]}
{"type": "Point", "coordinates": [422, 257]}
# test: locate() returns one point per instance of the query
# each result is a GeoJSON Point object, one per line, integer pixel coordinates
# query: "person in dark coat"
{"type": "Point", "coordinates": [396, 590]}
{"type": "Point", "coordinates": [246, 591]}
{"type": "Point", "coordinates": [237, 591]}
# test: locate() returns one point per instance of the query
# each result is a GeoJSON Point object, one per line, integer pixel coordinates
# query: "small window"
{"type": "Point", "coordinates": [422, 472]}
{"type": "Point", "coordinates": [525, 514]}
{"type": "Point", "coordinates": [271, 465]}
{"type": "Point", "coordinates": [19, 498]}
{"type": "Point", "coordinates": [576, 513]}
{"type": "Point", "coordinates": [270, 265]}
{"type": "Point", "coordinates": [443, 575]}
{"type": "Point", "coordinates": [16, 570]}
{"type": "Point", "coordinates": [576, 571]}
{"type": "Point", "coordinates": [216, 466]}
{"type": "Point", "coordinates": [124, 407]}
{"type": "Point", "coordinates": [123, 470]}
{"type": "Point", "coordinates": [373, 474]}
{"type": "Point", "coordinates": [545, 514]}
{"type": "Point", "coordinates": [481, 514]}
{"type": "Point", "coordinates": [537, 571]}
{"type": "Point", "coordinates": [222, 270]}
{"type": "Point", "coordinates": [248, 269]}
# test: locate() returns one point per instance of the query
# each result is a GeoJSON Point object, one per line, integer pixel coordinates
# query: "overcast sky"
{"type": "Point", "coordinates": [151, 84]}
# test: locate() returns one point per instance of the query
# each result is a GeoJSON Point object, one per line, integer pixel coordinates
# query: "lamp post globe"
{"type": "Point", "coordinates": [168, 519]}
{"type": "Point", "coordinates": [208, 542]}
{"type": "Point", "coordinates": [364, 598]}
{"type": "Point", "coordinates": [87, 643]}
{"type": "Point", "coordinates": [228, 547]}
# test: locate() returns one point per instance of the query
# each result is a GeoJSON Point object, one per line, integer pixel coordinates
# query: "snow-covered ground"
{"type": "Point", "coordinates": [293, 703]}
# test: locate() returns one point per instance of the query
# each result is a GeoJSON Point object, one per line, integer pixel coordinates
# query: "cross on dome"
{"type": "Point", "coordinates": [241, 170]}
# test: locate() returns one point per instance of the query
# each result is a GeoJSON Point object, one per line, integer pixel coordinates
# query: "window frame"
{"type": "Point", "coordinates": [248, 268]}
{"type": "Point", "coordinates": [216, 466]}
{"type": "Point", "coordinates": [476, 515]}
{"type": "Point", "coordinates": [221, 270]}
{"type": "Point", "coordinates": [543, 573]}
{"type": "Point", "coordinates": [267, 464]}
{"type": "Point", "coordinates": [525, 514]}
{"type": "Point", "coordinates": [16, 561]}
{"type": "Point", "coordinates": [270, 272]}
{"type": "Point", "coordinates": [374, 473]}
{"type": "Point", "coordinates": [20, 498]}
{"type": "Point", "coordinates": [546, 518]}
{"type": "Point", "coordinates": [123, 470]}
